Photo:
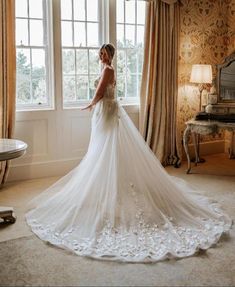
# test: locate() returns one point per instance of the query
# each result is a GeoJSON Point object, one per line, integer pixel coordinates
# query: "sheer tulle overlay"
{"type": "Point", "coordinates": [119, 203]}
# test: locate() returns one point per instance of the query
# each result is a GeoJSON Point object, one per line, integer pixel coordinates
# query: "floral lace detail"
{"type": "Point", "coordinates": [141, 243]}
{"type": "Point", "coordinates": [109, 92]}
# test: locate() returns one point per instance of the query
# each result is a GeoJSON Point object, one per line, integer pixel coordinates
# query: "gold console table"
{"type": "Point", "coordinates": [196, 128]}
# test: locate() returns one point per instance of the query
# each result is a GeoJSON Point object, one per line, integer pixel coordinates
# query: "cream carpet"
{"type": "Point", "coordinates": [27, 261]}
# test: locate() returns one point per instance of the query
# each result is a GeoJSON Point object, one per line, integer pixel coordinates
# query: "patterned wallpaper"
{"type": "Point", "coordinates": [207, 36]}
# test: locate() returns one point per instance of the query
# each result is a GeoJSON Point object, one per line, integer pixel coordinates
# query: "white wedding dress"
{"type": "Point", "coordinates": [119, 203]}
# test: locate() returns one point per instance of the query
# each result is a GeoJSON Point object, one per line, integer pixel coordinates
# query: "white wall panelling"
{"type": "Point", "coordinates": [57, 141]}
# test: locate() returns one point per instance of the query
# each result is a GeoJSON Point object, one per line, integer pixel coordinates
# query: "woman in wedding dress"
{"type": "Point", "coordinates": [119, 203]}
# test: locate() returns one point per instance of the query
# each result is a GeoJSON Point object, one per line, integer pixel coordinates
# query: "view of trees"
{"type": "Point", "coordinates": [79, 75]}
{"type": "Point", "coordinates": [31, 83]}
{"type": "Point", "coordinates": [77, 72]}
{"type": "Point", "coordinates": [80, 36]}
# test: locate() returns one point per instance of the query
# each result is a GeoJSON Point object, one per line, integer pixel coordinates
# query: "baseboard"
{"type": "Point", "coordinates": [63, 166]}
{"type": "Point", "coordinates": [42, 169]}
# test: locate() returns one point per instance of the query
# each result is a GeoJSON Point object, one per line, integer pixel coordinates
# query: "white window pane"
{"type": "Point", "coordinates": [66, 9]}
{"type": "Point", "coordinates": [139, 85]}
{"type": "Point", "coordinates": [35, 9]}
{"type": "Point", "coordinates": [23, 89]}
{"type": "Point", "coordinates": [82, 87]}
{"type": "Point", "coordinates": [121, 62]}
{"type": "Point", "coordinates": [130, 35]}
{"type": "Point", "coordinates": [69, 91]}
{"type": "Point", "coordinates": [120, 11]}
{"type": "Point", "coordinates": [38, 61]}
{"type": "Point", "coordinates": [39, 90]}
{"type": "Point", "coordinates": [140, 36]}
{"type": "Point", "coordinates": [92, 10]}
{"type": "Point", "coordinates": [131, 86]}
{"type": "Point", "coordinates": [120, 35]}
{"type": "Point", "coordinates": [21, 32]}
{"type": "Point", "coordinates": [79, 34]}
{"type": "Point", "coordinates": [92, 34]}
{"type": "Point", "coordinates": [131, 61]}
{"type": "Point", "coordinates": [79, 9]}
{"type": "Point", "coordinates": [130, 11]}
{"type": "Point", "coordinates": [141, 12]}
{"type": "Point", "coordinates": [82, 61]}
{"type": "Point", "coordinates": [23, 58]}
{"type": "Point", "coordinates": [23, 75]}
{"type": "Point", "coordinates": [94, 65]}
{"type": "Point", "coordinates": [66, 33]}
{"type": "Point", "coordinates": [39, 94]}
{"type": "Point", "coordinates": [92, 87]}
{"type": "Point", "coordinates": [68, 58]}
{"type": "Point", "coordinates": [36, 32]}
{"type": "Point", "coordinates": [140, 60]}
{"type": "Point", "coordinates": [21, 8]}
{"type": "Point", "coordinates": [121, 85]}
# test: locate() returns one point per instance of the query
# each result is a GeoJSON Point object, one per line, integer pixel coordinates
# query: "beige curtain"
{"type": "Point", "coordinates": [158, 100]}
{"type": "Point", "coordinates": [7, 74]}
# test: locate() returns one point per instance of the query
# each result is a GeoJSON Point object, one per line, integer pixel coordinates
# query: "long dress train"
{"type": "Point", "coordinates": [119, 203]}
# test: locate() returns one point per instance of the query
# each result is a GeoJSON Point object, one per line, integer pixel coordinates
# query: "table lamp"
{"type": "Point", "coordinates": [201, 74]}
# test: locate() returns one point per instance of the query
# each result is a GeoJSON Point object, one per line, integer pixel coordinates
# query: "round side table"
{"type": "Point", "coordinates": [9, 149]}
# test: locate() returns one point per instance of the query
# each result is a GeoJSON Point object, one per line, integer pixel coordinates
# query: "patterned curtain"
{"type": "Point", "coordinates": [159, 88]}
{"type": "Point", "coordinates": [7, 75]}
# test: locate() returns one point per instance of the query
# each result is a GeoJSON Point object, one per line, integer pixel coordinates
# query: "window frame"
{"type": "Point", "coordinates": [127, 49]}
{"type": "Point", "coordinates": [80, 102]}
{"type": "Point", "coordinates": [49, 59]}
{"type": "Point", "coordinates": [107, 10]}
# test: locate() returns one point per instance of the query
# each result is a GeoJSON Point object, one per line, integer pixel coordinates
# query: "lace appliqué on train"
{"type": "Point", "coordinates": [141, 243]}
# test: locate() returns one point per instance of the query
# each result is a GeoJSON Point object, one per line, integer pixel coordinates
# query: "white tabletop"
{"type": "Point", "coordinates": [11, 148]}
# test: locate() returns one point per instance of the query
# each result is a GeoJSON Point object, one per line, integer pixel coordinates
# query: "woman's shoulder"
{"type": "Point", "coordinates": [108, 72]}
{"type": "Point", "coordinates": [108, 69]}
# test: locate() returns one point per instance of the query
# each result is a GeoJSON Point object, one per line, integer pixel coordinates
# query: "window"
{"type": "Point", "coordinates": [84, 26]}
{"type": "Point", "coordinates": [80, 30]}
{"type": "Point", "coordinates": [32, 55]}
{"type": "Point", "coordinates": [130, 35]}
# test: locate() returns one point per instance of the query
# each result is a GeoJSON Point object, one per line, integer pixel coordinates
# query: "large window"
{"type": "Point", "coordinates": [130, 35]}
{"type": "Point", "coordinates": [83, 26]}
{"type": "Point", "coordinates": [81, 30]}
{"type": "Point", "coordinates": [33, 58]}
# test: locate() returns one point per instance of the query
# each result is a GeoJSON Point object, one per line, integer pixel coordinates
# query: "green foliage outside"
{"type": "Point", "coordinates": [31, 83]}
{"type": "Point", "coordinates": [78, 75]}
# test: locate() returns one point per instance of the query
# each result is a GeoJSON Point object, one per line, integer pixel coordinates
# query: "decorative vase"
{"type": "Point", "coordinates": [209, 109]}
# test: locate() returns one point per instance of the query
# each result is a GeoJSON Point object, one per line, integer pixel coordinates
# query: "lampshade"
{"type": "Point", "coordinates": [201, 74]}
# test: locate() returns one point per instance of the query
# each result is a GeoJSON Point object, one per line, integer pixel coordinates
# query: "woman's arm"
{"type": "Point", "coordinates": [106, 78]}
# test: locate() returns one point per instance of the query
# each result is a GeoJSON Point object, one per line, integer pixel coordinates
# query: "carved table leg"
{"type": "Point", "coordinates": [185, 141]}
{"type": "Point", "coordinates": [231, 154]}
{"type": "Point", "coordinates": [195, 144]}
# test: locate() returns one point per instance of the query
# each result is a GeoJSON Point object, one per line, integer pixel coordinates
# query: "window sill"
{"type": "Point", "coordinates": [130, 107]}
{"type": "Point", "coordinates": [29, 110]}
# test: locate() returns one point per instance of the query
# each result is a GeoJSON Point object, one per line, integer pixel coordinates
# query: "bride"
{"type": "Point", "coordinates": [119, 203]}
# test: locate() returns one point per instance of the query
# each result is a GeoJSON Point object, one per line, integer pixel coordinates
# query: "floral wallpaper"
{"type": "Point", "coordinates": [207, 36]}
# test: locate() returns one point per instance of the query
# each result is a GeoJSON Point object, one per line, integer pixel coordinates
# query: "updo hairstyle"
{"type": "Point", "coordinates": [110, 50]}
